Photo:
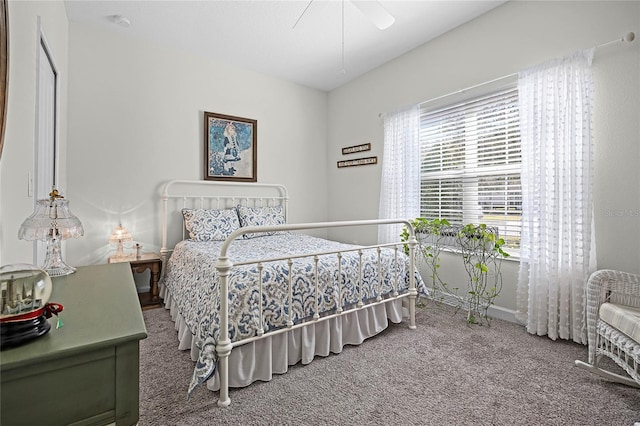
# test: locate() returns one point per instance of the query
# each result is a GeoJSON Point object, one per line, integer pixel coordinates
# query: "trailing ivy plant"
{"type": "Point", "coordinates": [482, 254]}
{"type": "Point", "coordinates": [430, 235]}
{"type": "Point", "coordinates": [429, 249]}
{"type": "Point", "coordinates": [481, 251]}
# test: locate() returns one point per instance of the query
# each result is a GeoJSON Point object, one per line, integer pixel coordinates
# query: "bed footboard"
{"type": "Point", "coordinates": [224, 266]}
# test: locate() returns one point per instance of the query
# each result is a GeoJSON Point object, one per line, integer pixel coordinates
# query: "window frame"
{"type": "Point", "coordinates": [470, 175]}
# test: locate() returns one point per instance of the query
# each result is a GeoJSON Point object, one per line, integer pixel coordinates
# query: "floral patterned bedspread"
{"type": "Point", "coordinates": [191, 279]}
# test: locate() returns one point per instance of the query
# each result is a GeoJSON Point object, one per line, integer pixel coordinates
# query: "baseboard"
{"type": "Point", "coordinates": [497, 312]}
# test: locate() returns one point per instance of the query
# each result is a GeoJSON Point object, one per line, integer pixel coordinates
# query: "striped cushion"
{"type": "Point", "coordinates": [624, 318]}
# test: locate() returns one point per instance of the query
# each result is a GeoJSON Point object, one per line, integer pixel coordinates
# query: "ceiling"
{"type": "Point", "coordinates": [259, 35]}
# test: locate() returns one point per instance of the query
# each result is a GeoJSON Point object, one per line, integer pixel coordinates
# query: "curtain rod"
{"type": "Point", "coordinates": [629, 37]}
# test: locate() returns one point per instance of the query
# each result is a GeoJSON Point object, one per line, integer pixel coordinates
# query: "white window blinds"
{"type": "Point", "coordinates": [470, 163]}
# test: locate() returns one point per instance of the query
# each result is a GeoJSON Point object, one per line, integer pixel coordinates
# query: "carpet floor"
{"type": "Point", "coordinates": [444, 373]}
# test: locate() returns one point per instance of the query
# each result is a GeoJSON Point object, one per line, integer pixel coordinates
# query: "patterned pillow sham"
{"type": "Point", "coordinates": [210, 225]}
{"type": "Point", "coordinates": [260, 216]}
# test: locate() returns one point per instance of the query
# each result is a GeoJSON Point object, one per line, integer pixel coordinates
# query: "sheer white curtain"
{"type": "Point", "coordinates": [557, 241]}
{"type": "Point", "coordinates": [400, 185]}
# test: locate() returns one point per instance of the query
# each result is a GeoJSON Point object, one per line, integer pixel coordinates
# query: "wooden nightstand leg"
{"type": "Point", "coordinates": [155, 276]}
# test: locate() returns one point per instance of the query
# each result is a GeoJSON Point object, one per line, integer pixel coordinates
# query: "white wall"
{"type": "Point", "coordinates": [510, 38]}
{"type": "Point", "coordinates": [135, 121]}
{"type": "Point", "coordinates": [19, 146]}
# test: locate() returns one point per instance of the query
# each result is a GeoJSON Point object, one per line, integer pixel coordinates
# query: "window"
{"type": "Point", "coordinates": [470, 163]}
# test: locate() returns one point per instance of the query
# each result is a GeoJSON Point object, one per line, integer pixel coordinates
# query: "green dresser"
{"type": "Point", "coordinates": [87, 372]}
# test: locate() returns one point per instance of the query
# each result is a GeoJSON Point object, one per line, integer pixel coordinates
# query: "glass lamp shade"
{"type": "Point", "coordinates": [52, 221]}
{"type": "Point", "coordinates": [119, 236]}
{"type": "Point", "coordinates": [49, 215]}
{"type": "Point", "coordinates": [25, 292]}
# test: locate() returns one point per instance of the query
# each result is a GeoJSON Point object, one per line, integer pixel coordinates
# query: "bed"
{"type": "Point", "coordinates": [251, 294]}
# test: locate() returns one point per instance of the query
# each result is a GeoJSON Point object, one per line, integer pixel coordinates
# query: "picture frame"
{"type": "Point", "coordinates": [358, 162]}
{"type": "Point", "coordinates": [356, 148]}
{"type": "Point", "coordinates": [230, 148]}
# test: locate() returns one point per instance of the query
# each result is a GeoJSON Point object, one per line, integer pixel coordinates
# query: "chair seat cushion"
{"type": "Point", "coordinates": [624, 318]}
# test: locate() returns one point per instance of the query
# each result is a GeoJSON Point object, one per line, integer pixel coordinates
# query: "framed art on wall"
{"type": "Point", "coordinates": [356, 148]}
{"type": "Point", "coordinates": [230, 148]}
{"type": "Point", "coordinates": [358, 162]}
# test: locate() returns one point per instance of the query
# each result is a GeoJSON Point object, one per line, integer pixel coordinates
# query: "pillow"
{"type": "Point", "coordinates": [260, 216]}
{"type": "Point", "coordinates": [210, 225]}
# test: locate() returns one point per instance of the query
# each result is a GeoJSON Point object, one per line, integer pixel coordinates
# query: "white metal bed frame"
{"type": "Point", "coordinates": [224, 265]}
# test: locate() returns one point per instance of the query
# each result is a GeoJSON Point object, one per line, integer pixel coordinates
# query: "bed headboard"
{"type": "Point", "coordinates": [205, 194]}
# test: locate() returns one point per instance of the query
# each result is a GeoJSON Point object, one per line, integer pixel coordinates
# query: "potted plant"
{"type": "Point", "coordinates": [482, 254]}
{"type": "Point", "coordinates": [431, 235]}
{"type": "Point", "coordinates": [481, 250]}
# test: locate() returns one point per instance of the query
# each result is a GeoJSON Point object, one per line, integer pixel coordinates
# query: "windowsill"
{"type": "Point", "coordinates": [513, 257]}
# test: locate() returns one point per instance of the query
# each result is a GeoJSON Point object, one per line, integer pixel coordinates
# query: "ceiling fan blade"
{"type": "Point", "coordinates": [376, 12]}
{"type": "Point", "coordinates": [302, 14]}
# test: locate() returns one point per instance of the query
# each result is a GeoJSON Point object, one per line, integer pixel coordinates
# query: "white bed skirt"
{"type": "Point", "coordinates": [261, 359]}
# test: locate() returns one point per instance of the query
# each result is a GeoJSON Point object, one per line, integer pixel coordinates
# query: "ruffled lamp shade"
{"type": "Point", "coordinates": [52, 221]}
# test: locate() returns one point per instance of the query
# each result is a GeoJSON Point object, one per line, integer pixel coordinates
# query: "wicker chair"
{"type": "Point", "coordinates": [613, 324]}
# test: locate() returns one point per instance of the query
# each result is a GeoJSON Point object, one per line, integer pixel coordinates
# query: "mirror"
{"type": "Point", "coordinates": [4, 68]}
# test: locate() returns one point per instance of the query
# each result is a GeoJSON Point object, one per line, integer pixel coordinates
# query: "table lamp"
{"type": "Point", "coordinates": [52, 221]}
{"type": "Point", "coordinates": [120, 235]}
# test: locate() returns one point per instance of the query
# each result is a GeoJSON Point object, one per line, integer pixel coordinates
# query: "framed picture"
{"type": "Point", "coordinates": [230, 150]}
{"type": "Point", "coordinates": [356, 148]}
{"type": "Point", "coordinates": [358, 162]}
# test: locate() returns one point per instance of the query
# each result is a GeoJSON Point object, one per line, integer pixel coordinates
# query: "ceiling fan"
{"type": "Point", "coordinates": [372, 9]}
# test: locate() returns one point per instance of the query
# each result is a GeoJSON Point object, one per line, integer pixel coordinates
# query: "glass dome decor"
{"type": "Point", "coordinates": [24, 304]}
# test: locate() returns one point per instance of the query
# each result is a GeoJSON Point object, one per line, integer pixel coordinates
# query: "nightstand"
{"type": "Point", "coordinates": [151, 261]}
{"type": "Point", "coordinates": [87, 372]}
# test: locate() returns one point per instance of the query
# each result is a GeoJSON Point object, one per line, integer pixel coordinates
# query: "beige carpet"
{"type": "Point", "coordinates": [443, 373]}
